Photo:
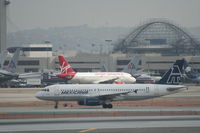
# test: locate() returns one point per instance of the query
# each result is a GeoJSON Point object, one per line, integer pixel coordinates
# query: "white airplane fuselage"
{"type": "Point", "coordinates": [111, 92]}
{"type": "Point", "coordinates": [101, 77]}
{"type": "Point", "coordinates": [144, 78]}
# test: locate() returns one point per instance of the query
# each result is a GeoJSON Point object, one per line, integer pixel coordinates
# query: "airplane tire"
{"type": "Point", "coordinates": [65, 105]}
{"type": "Point", "coordinates": [107, 106]}
{"type": "Point", "coordinates": [104, 105]}
{"type": "Point", "coordinates": [56, 105]}
{"type": "Point", "coordinates": [110, 106]}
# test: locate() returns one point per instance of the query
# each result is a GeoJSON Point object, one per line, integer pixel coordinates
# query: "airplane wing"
{"type": "Point", "coordinates": [112, 96]}
{"type": "Point", "coordinates": [30, 75]}
{"type": "Point", "coordinates": [106, 81]}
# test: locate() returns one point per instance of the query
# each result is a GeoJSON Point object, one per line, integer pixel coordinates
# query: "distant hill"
{"type": "Point", "coordinates": [82, 38]}
{"type": "Point", "coordinates": [69, 38]}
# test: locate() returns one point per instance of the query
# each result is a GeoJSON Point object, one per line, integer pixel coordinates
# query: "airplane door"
{"type": "Point", "coordinates": [156, 90]}
{"type": "Point", "coordinates": [97, 91]}
{"type": "Point", "coordinates": [56, 92]}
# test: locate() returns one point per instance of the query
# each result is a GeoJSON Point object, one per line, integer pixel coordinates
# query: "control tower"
{"type": "Point", "coordinates": [3, 26]}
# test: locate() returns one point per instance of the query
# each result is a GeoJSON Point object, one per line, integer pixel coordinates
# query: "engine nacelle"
{"type": "Point", "coordinates": [92, 101]}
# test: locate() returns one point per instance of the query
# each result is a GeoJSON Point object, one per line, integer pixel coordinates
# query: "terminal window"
{"type": "Point", "coordinates": [26, 70]}
{"type": "Point", "coordinates": [29, 62]}
{"type": "Point", "coordinates": [158, 41]}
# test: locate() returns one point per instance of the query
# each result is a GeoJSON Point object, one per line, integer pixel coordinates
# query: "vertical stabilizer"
{"type": "Point", "coordinates": [132, 66]}
{"type": "Point", "coordinates": [103, 66]}
{"type": "Point", "coordinates": [65, 67]}
{"type": "Point", "coordinates": [66, 70]}
{"type": "Point", "coordinates": [174, 74]}
{"type": "Point", "coordinates": [12, 65]}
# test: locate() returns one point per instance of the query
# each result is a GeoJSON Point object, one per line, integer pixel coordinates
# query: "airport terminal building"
{"type": "Point", "coordinates": [158, 43]}
{"type": "Point", "coordinates": [152, 63]}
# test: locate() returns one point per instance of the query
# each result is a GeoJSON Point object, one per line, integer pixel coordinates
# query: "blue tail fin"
{"type": "Point", "coordinates": [174, 74]}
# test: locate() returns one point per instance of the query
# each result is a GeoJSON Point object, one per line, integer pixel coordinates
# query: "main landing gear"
{"type": "Point", "coordinates": [56, 105]}
{"type": "Point", "coordinates": [107, 106]}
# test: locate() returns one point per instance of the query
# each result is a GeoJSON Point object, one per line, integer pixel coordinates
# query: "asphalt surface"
{"type": "Point", "coordinates": [84, 109]}
{"type": "Point", "coordinates": [128, 130]}
{"type": "Point", "coordinates": [128, 124]}
{"type": "Point", "coordinates": [104, 124]}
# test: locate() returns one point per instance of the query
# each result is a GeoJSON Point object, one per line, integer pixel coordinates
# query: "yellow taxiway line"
{"type": "Point", "coordinates": [87, 130]}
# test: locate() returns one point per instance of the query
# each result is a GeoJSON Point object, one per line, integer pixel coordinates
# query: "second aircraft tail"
{"type": "Point", "coordinates": [65, 68]}
{"type": "Point", "coordinates": [174, 74]}
{"type": "Point", "coordinates": [12, 65]}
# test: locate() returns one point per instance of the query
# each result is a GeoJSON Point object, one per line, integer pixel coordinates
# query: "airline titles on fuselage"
{"type": "Point", "coordinates": [109, 74]}
{"type": "Point", "coordinates": [86, 91]}
{"type": "Point", "coordinates": [74, 91]}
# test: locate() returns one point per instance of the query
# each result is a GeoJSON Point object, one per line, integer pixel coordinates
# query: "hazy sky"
{"type": "Point", "coordinates": [28, 14]}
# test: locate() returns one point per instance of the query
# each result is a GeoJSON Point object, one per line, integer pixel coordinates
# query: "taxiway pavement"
{"type": "Point", "coordinates": [99, 124]}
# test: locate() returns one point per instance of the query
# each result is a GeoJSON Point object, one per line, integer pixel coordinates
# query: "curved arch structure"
{"type": "Point", "coordinates": [161, 37]}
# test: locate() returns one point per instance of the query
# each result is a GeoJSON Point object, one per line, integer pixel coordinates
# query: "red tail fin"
{"type": "Point", "coordinates": [65, 67]}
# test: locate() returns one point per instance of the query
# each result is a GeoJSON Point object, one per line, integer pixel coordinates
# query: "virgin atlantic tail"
{"type": "Point", "coordinates": [65, 68]}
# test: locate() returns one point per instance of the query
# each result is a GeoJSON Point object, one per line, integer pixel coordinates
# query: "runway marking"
{"type": "Point", "coordinates": [87, 130]}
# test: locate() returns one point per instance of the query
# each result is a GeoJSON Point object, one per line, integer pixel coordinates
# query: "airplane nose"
{"type": "Point", "coordinates": [39, 95]}
{"type": "Point", "coordinates": [133, 80]}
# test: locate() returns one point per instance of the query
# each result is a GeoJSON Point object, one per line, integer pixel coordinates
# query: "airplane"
{"type": "Point", "coordinates": [175, 72]}
{"type": "Point", "coordinates": [8, 72]}
{"type": "Point", "coordinates": [92, 77]}
{"type": "Point", "coordinates": [190, 74]}
{"type": "Point", "coordinates": [104, 94]}
{"type": "Point", "coordinates": [103, 67]}
{"type": "Point", "coordinates": [141, 77]}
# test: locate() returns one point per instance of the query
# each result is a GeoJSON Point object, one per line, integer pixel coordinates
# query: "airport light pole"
{"type": "Point", "coordinates": [108, 44]}
{"type": "Point", "coordinates": [3, 25]}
